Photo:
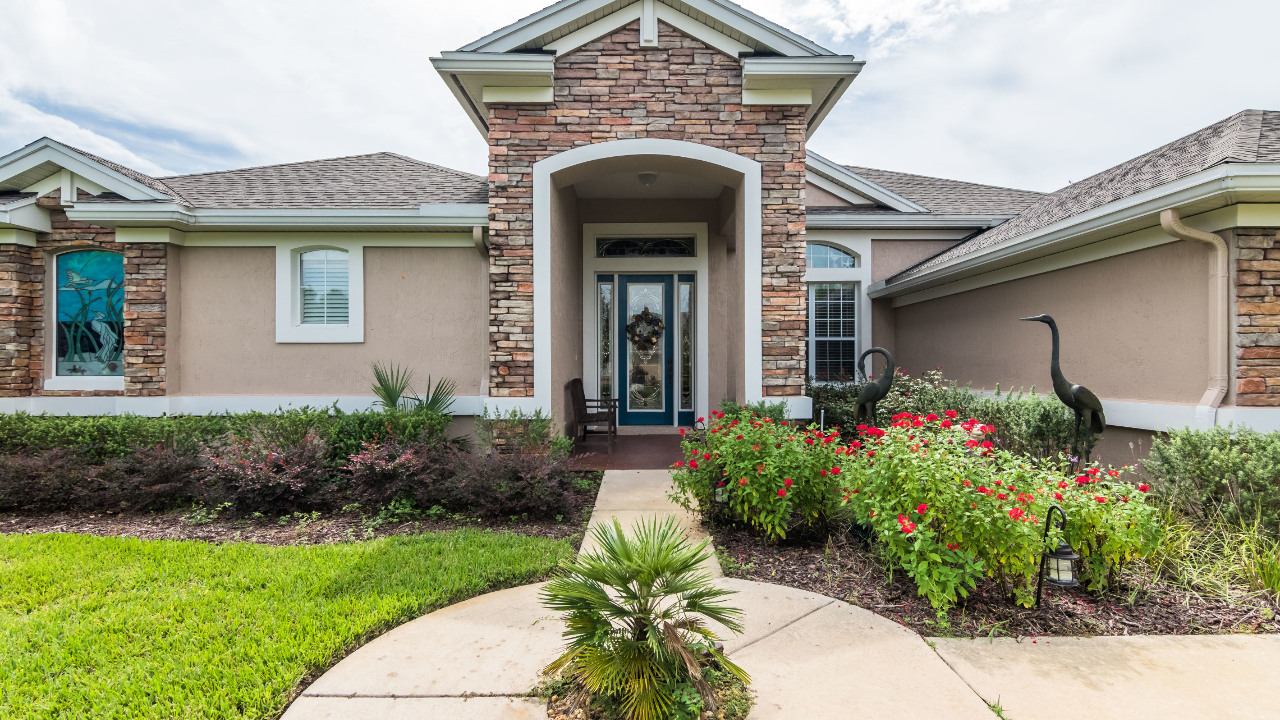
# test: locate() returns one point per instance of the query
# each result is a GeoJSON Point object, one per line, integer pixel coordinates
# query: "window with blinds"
{"type": "Point", "coordinates": [325, 287]}
{"type": "Point", "coordinates": [833, 324]}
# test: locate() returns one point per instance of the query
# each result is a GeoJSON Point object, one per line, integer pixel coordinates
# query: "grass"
{"type": "Point", "coordinates": [1215, 557]}
{"type": "Point", "coordinates": [124, 628]}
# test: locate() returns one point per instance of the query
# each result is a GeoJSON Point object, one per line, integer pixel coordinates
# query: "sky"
{"type": "Point", "coordinates": [1021, 93]}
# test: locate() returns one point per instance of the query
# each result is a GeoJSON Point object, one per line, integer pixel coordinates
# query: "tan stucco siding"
{"type": "Point", "coordinates": [815, 196]}
{"type": "Point", "coordinates": [1133, 327]}
{"type": "Point", "coordinates": [425, 308]}
{"type": "Point", "coordinates": [890, 257]}
{"type": "Point", "coordinates": [566, 299]}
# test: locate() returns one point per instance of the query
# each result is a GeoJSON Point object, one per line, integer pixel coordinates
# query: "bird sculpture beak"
{"type": "Point", "coordinates": [1033, 319]}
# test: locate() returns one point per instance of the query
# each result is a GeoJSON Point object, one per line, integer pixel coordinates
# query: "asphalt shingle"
{"type": "Point", "coordinates": [951, 197]}
{"type": "Point", "coordinates": [1246, 137]}
{"type": "Point", "coordinates": [377, 180]}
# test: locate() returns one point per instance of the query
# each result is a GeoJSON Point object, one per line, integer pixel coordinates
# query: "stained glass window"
{"type": "Point", "coordinates": [90, 313]}
{"type": "Point", "coordinates": [685, 300]}
{"type": "Point", "coordinates": [827, 257]}
{"type": "Point", "coordinates": [645, 247]}
{"type": "Point", "coordinates": [325, 283]}
{"type": "Point", "coordinates": [605, 296]}
{"type": "Point", "coordinates": [833, 324]}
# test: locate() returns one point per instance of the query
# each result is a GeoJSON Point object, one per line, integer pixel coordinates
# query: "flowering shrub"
{"type": "Point", "coordinates": [775, 476]}
{"type": "Point", "coordinates": [949, 506]}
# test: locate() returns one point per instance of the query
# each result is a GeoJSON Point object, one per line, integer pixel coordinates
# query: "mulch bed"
{"type": "Point", "coordinates": [265, 531]}
{"type": "Point", "coordinates": [846, 568]}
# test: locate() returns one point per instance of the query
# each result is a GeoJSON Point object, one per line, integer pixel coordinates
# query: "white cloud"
{"type": "Point", "coordinates": [1028, 93]}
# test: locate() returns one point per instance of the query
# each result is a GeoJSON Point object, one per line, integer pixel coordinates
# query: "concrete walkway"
{"type": "Point", "coordinates": [809, 657]}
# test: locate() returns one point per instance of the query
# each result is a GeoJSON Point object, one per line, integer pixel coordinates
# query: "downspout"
{"type": "Point", "coordinates": [1219, 331]}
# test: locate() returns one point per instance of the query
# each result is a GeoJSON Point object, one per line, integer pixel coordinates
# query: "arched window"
{"type": "Point", "coordinates": [89, 314]}
{"type": "Point", "coordinates": [826, 257]}
{"type": "Point", "coordinates": [325, 287]}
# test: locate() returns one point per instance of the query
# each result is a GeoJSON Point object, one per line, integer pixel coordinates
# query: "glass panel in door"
{"type": "Point", "coordinates": [645, 342]}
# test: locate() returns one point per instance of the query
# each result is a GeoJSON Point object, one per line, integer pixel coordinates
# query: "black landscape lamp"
{"type": "Point", "coordinates": [1058, 567]}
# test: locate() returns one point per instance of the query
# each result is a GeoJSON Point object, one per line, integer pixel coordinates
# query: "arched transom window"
{"type": "Point", "coordinates": [826, 257]}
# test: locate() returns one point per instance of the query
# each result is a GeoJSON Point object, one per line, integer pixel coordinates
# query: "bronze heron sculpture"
{"type": "Point", "coordinates": [873, 391]}
{"type": "Point", "coordinates": [1086, 405]}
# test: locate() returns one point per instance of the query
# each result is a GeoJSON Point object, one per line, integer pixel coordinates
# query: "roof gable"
{"type": "Point", "coordinates": [536, 32]}
{"type": "Point", "coordinates": [27, 166]}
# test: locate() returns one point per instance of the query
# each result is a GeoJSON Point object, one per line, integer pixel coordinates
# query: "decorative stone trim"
{"type": "Point", "coordinates": [613, 89]}
{"type": "Point", "coordinates": [1257, 317]}
{"type": "Point", "coordinates": [25, 301]}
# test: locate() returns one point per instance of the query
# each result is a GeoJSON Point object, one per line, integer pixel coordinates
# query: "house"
{"type": "Point", "coordinates": [653, 222]}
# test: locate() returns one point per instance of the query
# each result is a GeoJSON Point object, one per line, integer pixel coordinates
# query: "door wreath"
{"type": "Point", "coordinates": [644, 331]}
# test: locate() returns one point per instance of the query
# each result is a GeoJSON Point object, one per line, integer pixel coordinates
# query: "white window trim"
{"type": "Point", "coordinates": [52, 380]}
{"type": "Point", "coordinates": [697, 266]}
{"type": "Point", "coordinates": [860, 277]}
{"type": "Point", "coordinates": [289, 328]}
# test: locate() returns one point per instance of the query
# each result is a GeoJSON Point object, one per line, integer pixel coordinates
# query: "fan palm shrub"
{"type": "Point", "coordinates": [636, 612]}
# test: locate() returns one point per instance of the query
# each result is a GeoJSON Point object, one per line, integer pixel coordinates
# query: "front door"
{"type": "Point", "coordinates": [645, 335]}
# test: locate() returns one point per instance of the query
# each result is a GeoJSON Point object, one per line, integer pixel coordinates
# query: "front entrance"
{"type": "Point", "coordinates": [644, 320]}
{"type": "Point", "coordinates": [653, 328]}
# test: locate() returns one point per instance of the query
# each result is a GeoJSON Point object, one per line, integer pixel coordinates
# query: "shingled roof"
{"type": "Point", "coordinates": [951, 197]}
{"type": "Point", "coordinates": [377, 180]}
{"type": "Point", "coordinates": [1251, 136]}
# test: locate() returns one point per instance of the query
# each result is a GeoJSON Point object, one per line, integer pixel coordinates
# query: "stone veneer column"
{"type": "Point", "coordinates": [613, 89]}
{"type": "Point", "coordinates": [145, 268]}
{"type": "Point", "coordinates": [19, 318]}
{"type": "Point", "coordinates": [1258, 317]}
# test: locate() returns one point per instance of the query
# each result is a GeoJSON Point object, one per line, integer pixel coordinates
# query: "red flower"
{"type": "Point", "coordinates": [738, 438]}
{"type": "Point", "coordinates": [787, 482]}
{"type": "Point", "coordinates": [918, 423]}
{"type": "Point", "coordinates": [951, 414]}
{"type": "Point", "coordinates": [930, 417]}
{"type": "Point", "coordinates": [1057, 496]}
{"type": "Point", "coordinates": [782, 492]}
{"type": "Point", "coordinates": [808, 441]}
{"type": "Point", "coordinates": [922, 508]}
{"type": "Point", "coordinates": [679, 463]}
{"type": "Point", "coordinates": [1016, 513]}
{"type": "Point", "coordinates": [1143, 488]}
{"type": "Point", "coordinates": [822, 473]}
{"type": "Point", "coordinates": [835, 470]}
{"type": "Point", "coordinates": [1001, 496]}
{"type": "Point", "coordinates": [706, 456]}
{"type": "Point", "coordinates": [743, 481]}
{"type": "Point", "coordinates": [967, 483]}
{"type": "Point", "coordinates": [871, 453]}
{"type": "Point", "coordinates": [1113, 473]}
{"type": "Point", "coordinates": [701, 419]}
{"type": "Point", "coordinates": [946, 423]}
{"type": "Point", "coordinates": [1100, 499]}
{"type": "Point", "coordinates": [1062, 484]}
{"type": "Point", "coordinates": [953, 546]}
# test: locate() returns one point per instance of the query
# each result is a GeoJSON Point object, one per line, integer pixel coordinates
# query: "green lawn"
{"type": "Point", "coordinates": [119, 628]}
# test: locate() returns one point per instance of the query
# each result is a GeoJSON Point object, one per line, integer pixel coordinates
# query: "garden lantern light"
{"type": "Point", "coordinates": [1058, 567]}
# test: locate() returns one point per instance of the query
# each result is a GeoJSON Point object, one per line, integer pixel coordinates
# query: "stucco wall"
{"type": "Point", "coordinates": [1133, 327]}
{"type": "Point", "coordinates": [566, 299]}
{"type": "Point", "coordinates": [890, 257]}
{"type": "Point", "coordinates": [425, 308]}
{"type": "Point", "coordinates": [815, 196]}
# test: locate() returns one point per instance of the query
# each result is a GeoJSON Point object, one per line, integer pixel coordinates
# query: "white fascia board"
{"type": "Point", "coordinates": [1220, 185]}
{"type": "Point", "coordinates": [771, 35]}
{"type": "Point", "coordinates": [178, 217]}
{"type": "Point", "coordinates": [471, 63]}
{"type": "Point", "coordinates": [25, 215]}
{"type": "Point", "coordinates": [595, 30]}
{"type": "Point", "coordinates": [47, 150]}
{"type": "Point", "coordinates": [700, 31]}
{"type": "Point", "coordinates": [536, 25]}
{"type": "Point", "coordinates": [889, 221]}
{"type": "Point", "coordinates": [14, 236]}
{"type": "Point", "coordinates": [818, 165]}
{"type": "Point", "coordinates": [758, 70]}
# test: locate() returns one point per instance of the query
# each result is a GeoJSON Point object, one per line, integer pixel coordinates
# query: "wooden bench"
{"type": "Point", "coordinates": [590, 412]}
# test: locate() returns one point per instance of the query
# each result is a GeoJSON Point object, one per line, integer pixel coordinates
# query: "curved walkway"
{"type": "Point", "coordinates": [809, 657]}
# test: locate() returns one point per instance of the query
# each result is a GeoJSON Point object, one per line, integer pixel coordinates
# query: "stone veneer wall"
{"type": "Point", "coordinates": [1258, 317]}
{"type": "Point", "coordinates": [613, 89]}
{"type": "Point", "coordinates": [24, 342]}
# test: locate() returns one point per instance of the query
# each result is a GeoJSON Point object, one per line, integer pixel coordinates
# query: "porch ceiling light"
{"type": "Point", "coordinates": [647, 179]}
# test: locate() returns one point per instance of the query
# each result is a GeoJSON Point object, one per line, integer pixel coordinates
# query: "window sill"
{"type": "Point", "coordinates": [65, 382]}
{"type": "Point", "coordinates": [320, 334]}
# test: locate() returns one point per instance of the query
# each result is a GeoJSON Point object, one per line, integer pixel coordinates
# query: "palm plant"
{"type": "Point", "coordinates": [636, 612]}
{"type": "Point", "coordinates": [439, 396]}
{"type": "Point", "coordinates": [390, 384]}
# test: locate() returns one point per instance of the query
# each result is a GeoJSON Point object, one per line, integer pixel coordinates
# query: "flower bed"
{"type": "Point", "coordinates": [946, 505]}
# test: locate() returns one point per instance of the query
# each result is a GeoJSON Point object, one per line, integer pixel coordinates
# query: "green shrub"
{"type": "Point", "coordinates": [1037, 425]}
{"type": "Point", "coordinates": [636, 612]}
{"type": "Point", "coordinates": [946, 502]}
{"type": "Point", "coordinates": [1224, 471]}
{"type": "Point", "coordinates": [775, 411]}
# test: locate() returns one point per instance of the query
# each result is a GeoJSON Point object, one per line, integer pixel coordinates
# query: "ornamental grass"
{"type": "Point", "coordinates": [945, 503]}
